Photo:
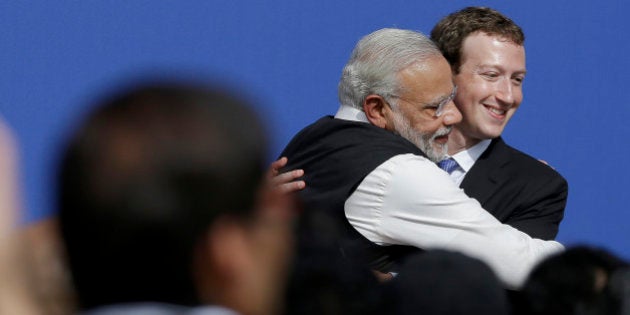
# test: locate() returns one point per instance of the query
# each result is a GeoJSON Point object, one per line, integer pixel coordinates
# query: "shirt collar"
{"type": "Point", "coordinates": [468, 157]}
{"type": "Point", "coordinates": [346, 112]}
{"type": "Point", "coordinates": [465, 158]}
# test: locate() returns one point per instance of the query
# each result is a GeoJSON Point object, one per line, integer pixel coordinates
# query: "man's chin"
{"type": "Point", "coordinates": [438, 152]}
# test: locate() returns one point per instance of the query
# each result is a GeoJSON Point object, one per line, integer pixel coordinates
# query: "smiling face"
{"type": "Point", "coordinates": [489, 83]}
{"type": "Point", "coordinates": [426, 88]}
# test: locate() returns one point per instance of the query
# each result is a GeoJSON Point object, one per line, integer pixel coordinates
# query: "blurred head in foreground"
{"type": "Point", "coordinates": [158, 203]}
{"type": "Point", "coordinates": [444, 282]}
{"type": "Point", "coordinates": [582, 280]}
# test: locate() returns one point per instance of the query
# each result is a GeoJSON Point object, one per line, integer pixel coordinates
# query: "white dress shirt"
{"type": "Point", "coordinates": [408, 200]}
{"type": "Point", "coordinates": [466, 159]}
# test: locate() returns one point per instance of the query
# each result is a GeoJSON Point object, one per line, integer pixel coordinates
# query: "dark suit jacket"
{"type": "Point", "coordinates": [518, 190]}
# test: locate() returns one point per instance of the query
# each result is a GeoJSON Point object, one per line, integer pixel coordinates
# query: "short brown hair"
{"type": "Point", "coordinates": [450, 32]}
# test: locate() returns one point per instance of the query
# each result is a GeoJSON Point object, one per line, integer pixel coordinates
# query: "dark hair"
{"type": "Point", "coordinates": [143, 178]}
{"type": "Point", "coordinates": [572, 282]}
{"type": "Point", "coordinates": [450, 32]}
{"type": "Point", "coordinates": [444, 282]}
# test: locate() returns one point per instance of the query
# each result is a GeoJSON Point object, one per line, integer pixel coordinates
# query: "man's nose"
{"type": "Point", "coordinates": [451, 114]}
{"type": "Point", "coordinates": [505, 92]}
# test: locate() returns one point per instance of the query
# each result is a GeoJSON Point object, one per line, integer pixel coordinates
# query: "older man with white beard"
{"type": "Point", "coordinates": [372, 166]}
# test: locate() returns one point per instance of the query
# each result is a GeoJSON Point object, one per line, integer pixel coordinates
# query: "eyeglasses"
{"type": "Point", "coordinates": [439, 106]}
{"type": "Point", "coordinates": [436, 107]}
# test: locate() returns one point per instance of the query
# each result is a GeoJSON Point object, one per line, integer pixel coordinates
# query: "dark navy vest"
{"type": "Point", "coordinates": [336, 155]}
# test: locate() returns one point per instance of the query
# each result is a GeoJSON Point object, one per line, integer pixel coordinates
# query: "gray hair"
{"type": "Point", "coordinates": [376, 61]}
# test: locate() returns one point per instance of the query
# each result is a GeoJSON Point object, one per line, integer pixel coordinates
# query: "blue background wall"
{"type": "Point", "coordinates": [56, 56]}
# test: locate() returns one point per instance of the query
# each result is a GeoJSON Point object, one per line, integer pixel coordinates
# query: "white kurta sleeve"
{"type": "Point", "coordinates": [408, 200]}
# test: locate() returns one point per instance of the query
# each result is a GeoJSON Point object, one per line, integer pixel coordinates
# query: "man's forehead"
{"type": "Point", "coordinates": [430, 80]}
{"type": "Point", "coordinates": [480, 36]}
{"type": "Point", "coordinates": [493, 35]}
{"type": "Point", "coordinates": [434, 65]}
{"type": "Point", "coordinates": [492, 50]}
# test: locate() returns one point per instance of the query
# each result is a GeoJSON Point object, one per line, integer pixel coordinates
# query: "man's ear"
{"type": "Point", "coordinates": [376, 109]}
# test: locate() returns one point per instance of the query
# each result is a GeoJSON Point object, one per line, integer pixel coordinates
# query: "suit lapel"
{"type": "Point", "coordinates": [487, 175]}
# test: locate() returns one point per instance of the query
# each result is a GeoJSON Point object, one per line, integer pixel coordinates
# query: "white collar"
{"type": "Point", "coordinates": [346, 112]}
{"type": "Point", "coordinates": [468, 157]}
{"type": "Point", "coordinates": [465, 158]}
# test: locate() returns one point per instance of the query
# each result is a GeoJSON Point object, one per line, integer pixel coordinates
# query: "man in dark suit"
{"type": "Point", "coordinates": [372, 165]}
{"type": "Point", "coordinates": [487, 57]}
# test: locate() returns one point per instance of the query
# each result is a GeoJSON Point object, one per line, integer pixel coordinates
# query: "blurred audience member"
{"type": "Point", "coordinates": [50, 281]}
{"type": "Point", "coordinates": [444, 282]}
{"type": "Point", "coordinates": [15, 295]}
{"type": "Point", "coordinates": [159, 207]}
{"type": "Point", "coordinates": [619, 287]}
{"type": "Point", "coordinates": [577, 281]}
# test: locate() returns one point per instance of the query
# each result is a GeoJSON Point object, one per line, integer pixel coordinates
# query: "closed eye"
{"type": "Point", "coordinates": [518, 80]}
{"type": "Point", "coordinates": [490, 75]}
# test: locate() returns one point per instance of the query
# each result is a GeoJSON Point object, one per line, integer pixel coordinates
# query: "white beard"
{"type": "Point", "coordinates": [424, 141]}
